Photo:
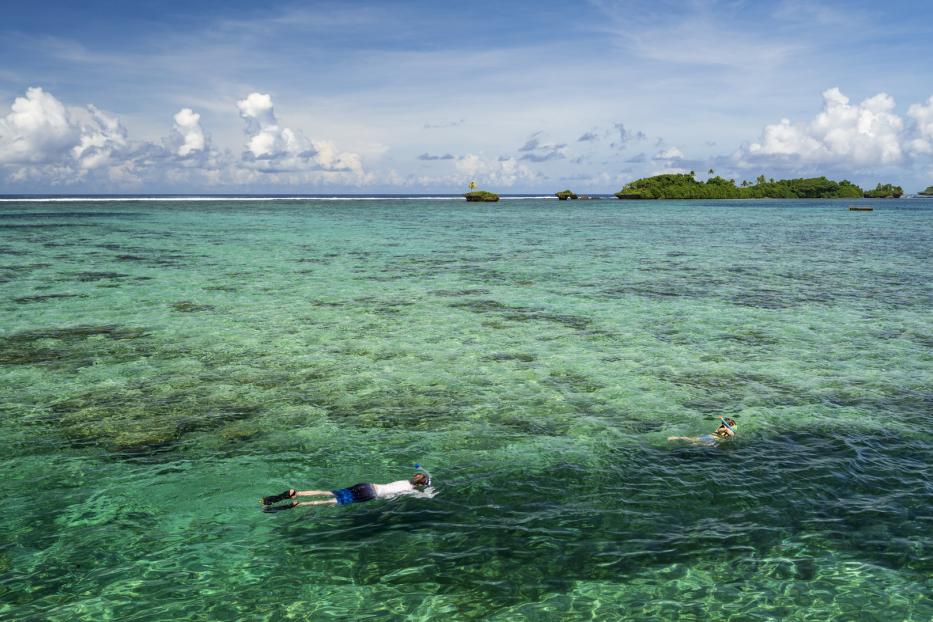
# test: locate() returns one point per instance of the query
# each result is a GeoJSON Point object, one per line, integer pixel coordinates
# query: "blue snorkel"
{"type": "Point", "coordinates": [418, 467]}
{"type": "Point", "coordinates": [727, 425]}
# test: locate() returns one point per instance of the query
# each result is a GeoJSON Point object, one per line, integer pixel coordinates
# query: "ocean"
{"type": "Point", "coordinates": [166, 361]}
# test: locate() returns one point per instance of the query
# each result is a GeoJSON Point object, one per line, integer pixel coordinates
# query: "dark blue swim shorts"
{"type": "Point", "coordinates": [355, 494]}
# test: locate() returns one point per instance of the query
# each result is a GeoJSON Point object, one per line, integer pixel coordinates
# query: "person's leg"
{"type": "Point", "coordinates": [321, 502]}
{"type": "Point", "coordinates": [314, 493]}
{"type": "Point", "coordinates": [295, 504]}
{"type": "Point", "coordinates": [691, 439]}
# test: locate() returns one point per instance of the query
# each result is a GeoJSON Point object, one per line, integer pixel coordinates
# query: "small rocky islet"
{"type": "Point", "coordinates": [564, 195]}
{"type": "Point", "coordinates": [481, 196]}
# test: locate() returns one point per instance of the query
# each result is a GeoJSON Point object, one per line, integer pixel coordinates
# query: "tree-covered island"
{"type": "Point", "coordinates": [885, 191]}
{"type": "Point", "coordinates": [686, 186]}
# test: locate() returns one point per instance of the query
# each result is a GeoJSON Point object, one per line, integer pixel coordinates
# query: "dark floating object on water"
{"type": "Point", "coordinates": [857, 208]}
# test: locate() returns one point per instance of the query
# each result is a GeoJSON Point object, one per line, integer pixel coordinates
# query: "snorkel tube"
{"type": "Point", "coordinates": [727, 425]}
{"type": "Point", "coordinates": [418, 467]}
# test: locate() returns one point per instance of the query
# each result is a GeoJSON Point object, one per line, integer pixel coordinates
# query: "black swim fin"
{"type": "Point", "coordinates": [278, 508]}
{"type": "Point", "coordinates": [276, 498]}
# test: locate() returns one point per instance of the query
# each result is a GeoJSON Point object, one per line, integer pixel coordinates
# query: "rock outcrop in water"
{"type": "Point", "coordinates": [927, 193]}
{"type": "Point", "coordinates": [563, 195]}
{"type": "Point", "coordinates": [481, 196]}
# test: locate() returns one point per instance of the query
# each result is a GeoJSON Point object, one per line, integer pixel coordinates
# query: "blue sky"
{"type": "Point", "coordinates": [424, 96]}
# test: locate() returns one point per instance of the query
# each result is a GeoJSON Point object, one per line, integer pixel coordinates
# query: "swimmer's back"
{"type": "Point", "coordinates": [391, 489]}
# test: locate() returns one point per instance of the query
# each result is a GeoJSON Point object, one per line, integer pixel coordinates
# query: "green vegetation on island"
{"type": "Point", "coordinates": [563, 195]}
{"type": "Point", "coordinates": [884, 191]}
{"type": "Point", "coordinates": [685, 186]}
{"type": "Point", "coordinates": [482, 196]}
{"type": "Point", "coordinates": [927, 193]}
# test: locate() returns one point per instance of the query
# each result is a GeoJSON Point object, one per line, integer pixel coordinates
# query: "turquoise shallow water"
{"type": "Point", "coordinates": [163, 364]}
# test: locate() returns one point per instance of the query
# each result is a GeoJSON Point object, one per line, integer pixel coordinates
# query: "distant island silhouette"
{"type": "Point", "coordinates": [686, 186]}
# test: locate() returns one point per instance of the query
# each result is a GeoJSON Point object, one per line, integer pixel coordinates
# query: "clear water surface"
{"type": "Point", "coordinates": [163, 364]}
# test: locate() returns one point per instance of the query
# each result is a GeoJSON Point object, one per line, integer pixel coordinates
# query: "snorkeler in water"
{"type": "Point", "coordinates": [725, 432]}
{"type": "Point", "coordinates": [357, 493]}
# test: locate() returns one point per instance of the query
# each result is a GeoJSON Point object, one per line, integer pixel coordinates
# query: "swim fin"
{"type": "Point", "coordinates": [278, 508]}
{"type": "Point", "coordinates": [276, 498]}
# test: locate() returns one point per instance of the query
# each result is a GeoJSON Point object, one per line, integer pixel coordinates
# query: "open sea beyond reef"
{"type": "Point", "coordinates": [165, 363]}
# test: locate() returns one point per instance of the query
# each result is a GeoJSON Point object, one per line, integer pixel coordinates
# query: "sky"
{"type": "Point", "coordinates": [424, 97]}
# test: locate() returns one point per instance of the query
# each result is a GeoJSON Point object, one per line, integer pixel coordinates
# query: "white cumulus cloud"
{"type": "Point", "coordinates": [672, 153]}
{"type": "Point", "coordinates": [266, 139]}
{"type": "Point", "coordinates": [278, 149]}
{"type": "Point", "coordinates": [39, 129]}
{"type": "Point", "coordinates": [103, 138]}
{"type": "Point", "coordinates": [865, 134]}
{"type": "Point", "coordinates": [44, 141]}
{"type": "Point", "coordinates": [42, 138]}
{"type": "Point", "coordinates": [327, 156]}
{"type": "Point", "coordinates": [504, 171]}
{"type": "Point", "coordinates": [190, 135]}
{"type": "Point", "coordinates": [922, 116]}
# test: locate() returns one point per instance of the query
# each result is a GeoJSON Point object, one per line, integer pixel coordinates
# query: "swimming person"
{"type": "Point", "coordinates": [357, 493]}
{"type": "Point", "coordinates": [725, 432]}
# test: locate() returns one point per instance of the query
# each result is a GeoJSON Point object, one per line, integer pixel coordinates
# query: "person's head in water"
{"type": "Point", "coordinates": [419, 479]}
{"type": "Point", "coordinates": [723, 429]}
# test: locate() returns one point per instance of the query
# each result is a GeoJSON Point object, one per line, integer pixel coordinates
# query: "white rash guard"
{"type": "Point", "coordinates": [401, 487]}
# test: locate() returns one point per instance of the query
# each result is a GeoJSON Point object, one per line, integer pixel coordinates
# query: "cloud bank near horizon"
{"type": "Point", "coordinates": [864, 135]}
{"type": "Point", "coordinates": [42, 140]}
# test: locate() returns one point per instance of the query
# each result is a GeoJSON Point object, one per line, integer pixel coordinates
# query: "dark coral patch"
{"type": "Point", "coordinates": [44, 297]}
{"type": "Point", "coordinates": [186, 306]}
{"type": "Point", "coordinates": [69, 347]}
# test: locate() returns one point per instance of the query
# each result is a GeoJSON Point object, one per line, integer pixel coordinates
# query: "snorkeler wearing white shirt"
{"type": "Point", "coordinates": [358, 493]}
